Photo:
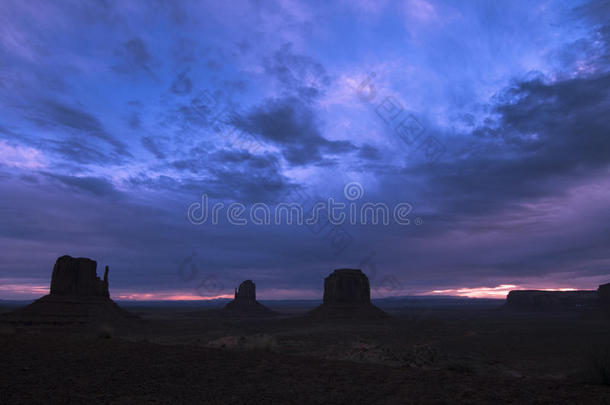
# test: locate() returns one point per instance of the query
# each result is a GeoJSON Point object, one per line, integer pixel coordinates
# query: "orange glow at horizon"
{"type": "Point", "coordinates": [33, 291]}
{"type": "Point", "coordinates": [500, 291]}
{"type": "Point", "coordinates": [24, 289]}
{"type": "Point", "coordinates": [168, 297]}
{"type": "Point", "coordinates": [15, 290]}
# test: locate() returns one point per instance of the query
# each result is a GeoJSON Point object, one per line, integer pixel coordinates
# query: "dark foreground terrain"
{"type": "Point", "coordinates": [419, 355]}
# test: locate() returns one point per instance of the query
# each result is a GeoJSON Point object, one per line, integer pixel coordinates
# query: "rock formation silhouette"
{"type": "Point", "coordinates": [347, 286]}
{"type": "Point", "coordinates": [246, 292]}
{"type": "Point", "coordinates": [77, 296]}
{"type": "Point", "coordinates": [537, 300]}
{"type": "Point", "coordinates": [347, 293]}
{"type": "Point", "coordinates": [78, 277]}
{"type": "Point", "coordinates": [245, 304]}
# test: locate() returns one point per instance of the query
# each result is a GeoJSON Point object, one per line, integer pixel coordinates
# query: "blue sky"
{"type": "Point", "coordinates": [107, 136]}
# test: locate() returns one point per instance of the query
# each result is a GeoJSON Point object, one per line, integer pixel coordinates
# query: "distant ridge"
{"type": "Point", "coordinates": [541, 300]}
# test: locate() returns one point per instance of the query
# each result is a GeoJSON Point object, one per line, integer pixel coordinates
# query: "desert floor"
{"type": "Point", "coordinates": [421, 354]}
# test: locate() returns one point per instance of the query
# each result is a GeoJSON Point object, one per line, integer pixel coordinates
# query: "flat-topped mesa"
{"type": "Point", "coordinates": [78, 277]}
{"type": "Point", "coordinates": [540, 300]}
{"type": "Point", "coordinates": [246, 292]}
{"type": "Point", "coordinates": [347, 286]}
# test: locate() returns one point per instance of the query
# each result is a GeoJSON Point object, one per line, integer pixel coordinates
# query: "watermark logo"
{"type": "Point", "coordinates": [296, 213]}
{"type": "Point", "coordinates": [338, 236]}
{"type": "Point", "coordinates": [189, 270]}
{"type": "Point", "coordinates": [353, 191]}
{"type": "Point", "coordinates": [382, 285]}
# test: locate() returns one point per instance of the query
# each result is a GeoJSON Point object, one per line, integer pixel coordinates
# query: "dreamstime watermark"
{"type": "Point", "coordinates": [385, 284]}
{"type": "Point", "coordinates": [189, 271]}
{"type": "Point", "coordinates": [337, 235]}
{"type": "Point", "coordinates": [293, 213]}
{"type": "Point", "coordinates": [405, 125]}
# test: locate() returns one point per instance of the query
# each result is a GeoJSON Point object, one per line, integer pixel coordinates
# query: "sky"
{"type": "Point", "coordinates": [482, 125]}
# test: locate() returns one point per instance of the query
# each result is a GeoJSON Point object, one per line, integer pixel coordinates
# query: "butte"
{"type": "Point", "coordinates": [76, 296]}
{"type": "Point", "coordinates": [347, 294]}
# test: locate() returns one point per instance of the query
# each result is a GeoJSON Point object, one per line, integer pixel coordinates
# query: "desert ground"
{"type": "Point", "coordinates": [430, 351]}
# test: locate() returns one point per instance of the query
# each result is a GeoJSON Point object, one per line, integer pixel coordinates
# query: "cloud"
{"type": "Point", "coordinates": [597, 51]}
{"type": "Point", "coordinates": [547, 137]}
{"type": "Point", "coordinates": [182, 84]}
{"type": "Point", "coordinates": [97, 186]}
{"type": "Point", "coordinates": [369, 152]}
{"type": "Point", "coordinates": [291, 124]}
{"type": "Point", "coordinates": [499, 208]}
{"type": "Point", "coordinates": [299, 75]}
{"type": "Point", "coordinates": [74, 150]}
{"type": "Point", "coordinates": [52, 114]}
{"type": "Point", "coordinates": [151, 145]}
{"type": "Point", "coordinates": [22, 157]}
{"type": "Point", "coordinates": [234, 174]}
{"type": "Point", "coordinates": [134, 58]}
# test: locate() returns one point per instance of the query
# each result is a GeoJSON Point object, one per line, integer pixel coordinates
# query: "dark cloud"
{"type": "Point", "coordinates": [97, 186]}
{"type": "Point", "coordinates": [234, 174]}
{"type": "Point", "coordinates": [161, 182]}
{"type": "Point", "coordinates": [134, 121]}
{"type": "Point", "coordinates": [149, 143]}
{"type": "Point", "coordinates": [291, 124]}
{"type": "Point", "coordinates": [369, 152]}
{"type": "Point", "coordinates": [135, 58]}
{"type": "Point", "coordinates": [53, 114]}
{"type": "Point", "coordinates": [182, 84]}
{"type": "Point", "coordinates": [232, 86]}
{"type": "Point", "coordinates": [300, 75]}
{"type": "Point", "coordinates": [29, 178]}
{"type": "Point", "coordinates": [548, 137]}
{"type": "Point", "coordinates": [592, 52]}
{"type": "Point", "coordinates": [213, 65]}
{"type": "Point", "coordinates": [75, 150]}
{"type": "Point", "coordinates": [7, 133]}
{"type": "Point", "coordinates": [184, 50]}
{"type": "Point", "coordinates": [597, 13]}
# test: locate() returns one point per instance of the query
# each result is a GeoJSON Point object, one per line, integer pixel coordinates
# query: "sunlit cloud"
{"type": "Point", "coordinates": [22, 157]}
{"type": "Point", "coordinates": [10, 289]}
